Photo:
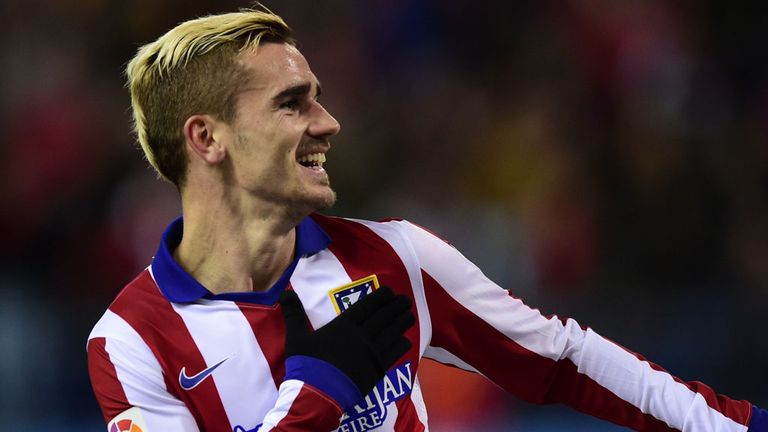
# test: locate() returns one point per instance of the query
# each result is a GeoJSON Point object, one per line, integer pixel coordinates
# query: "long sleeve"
{"type": "Point", "coordinates": [480, 327]}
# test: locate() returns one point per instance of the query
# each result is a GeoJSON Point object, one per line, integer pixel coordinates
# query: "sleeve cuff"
{"type": "Point", "coordinates": [324, 377]}
{"type": "Point", "coordinates": [759, 420]}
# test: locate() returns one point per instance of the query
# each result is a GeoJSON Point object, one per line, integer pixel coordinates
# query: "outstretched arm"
{"type": "Point", "coordinates": [480, 327]}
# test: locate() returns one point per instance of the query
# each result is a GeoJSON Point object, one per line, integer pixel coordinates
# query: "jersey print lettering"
{"type": "Point", "coordinates": [372, 411]}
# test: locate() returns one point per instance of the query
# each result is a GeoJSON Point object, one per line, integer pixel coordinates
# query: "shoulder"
{"type": "Point", "coordinates": [351, 226]}
{"type": "Point", "coordinates": [340, 228]}
{"type": "Point", "coordinates": [132, 310]}
{"type": "Point", "coordinates": [143, 285]}
{"type": "Point", "coordinates": [343, 230]}
{"type": "Point", "coordinates": [410, 241]}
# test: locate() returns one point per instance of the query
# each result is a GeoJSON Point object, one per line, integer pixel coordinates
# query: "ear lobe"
{"type": "Point", "coordinates": [200, 138]}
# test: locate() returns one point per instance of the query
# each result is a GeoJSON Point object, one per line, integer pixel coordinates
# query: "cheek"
{"type": "Point", "coordinates": [272, 147]}
{"type": "Point", "coordinates": [289, 126]}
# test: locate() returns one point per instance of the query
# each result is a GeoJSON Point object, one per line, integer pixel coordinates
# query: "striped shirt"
{"type": "Point", "coordinates": [168, 355]}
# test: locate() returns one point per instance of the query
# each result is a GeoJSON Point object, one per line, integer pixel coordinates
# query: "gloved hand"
{"type": "Point", "coordinates": [363, 342]}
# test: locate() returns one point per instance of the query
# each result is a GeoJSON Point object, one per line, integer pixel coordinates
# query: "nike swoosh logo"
{"type": "Point", "coordinates": [188, 383]}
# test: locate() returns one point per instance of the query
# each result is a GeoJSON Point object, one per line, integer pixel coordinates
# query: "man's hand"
{"type": "Point", "coordinates": [363, 342]}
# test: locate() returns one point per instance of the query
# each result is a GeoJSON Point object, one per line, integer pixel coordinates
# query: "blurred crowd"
{"type": "Point", "coordinates": [604, 160]}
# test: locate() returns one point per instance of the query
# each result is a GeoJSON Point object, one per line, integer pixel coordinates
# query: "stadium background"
{"type": "Point", "coordinates": [605, 160]}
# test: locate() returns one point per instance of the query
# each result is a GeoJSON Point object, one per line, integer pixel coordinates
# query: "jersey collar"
{"type": "Point", "coordinates": [179, 286]}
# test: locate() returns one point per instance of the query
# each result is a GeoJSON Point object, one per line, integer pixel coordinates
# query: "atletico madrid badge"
{"type": "Point", "coordinates": [345, 296]}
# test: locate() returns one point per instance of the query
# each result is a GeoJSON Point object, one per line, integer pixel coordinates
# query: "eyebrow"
{"type": "Point", "coordinates": [297, 90]}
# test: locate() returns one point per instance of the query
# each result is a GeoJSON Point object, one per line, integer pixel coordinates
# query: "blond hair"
{"type": "Point", "coordinates": [193, 69]}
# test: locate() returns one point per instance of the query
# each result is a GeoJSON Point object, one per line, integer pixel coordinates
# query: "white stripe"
{"type": "Point", "coordinates": [220, 330]}
{"type": "Point", "coordinates": [612, 367]}
{"type": "Point", "coordinates": [467, 285]}
{"type": "Point", "coordinates": [654, 392]}
{"type": "Point", "coordinates": [391, 234]}
{"type": "Point", "coordinates": [418, 403]}
{"type": "Point", "coordinates": [141, 376]}
{"type": "Point", "coordinates": [313, 278]}
{"type": "Point", "coordinates": [289, 390]}
{"type": "Point", "coordinates": [443, 356]}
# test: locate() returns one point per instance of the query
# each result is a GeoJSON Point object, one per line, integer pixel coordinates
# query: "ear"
{"type": "Point", "coordinates": [202, 138]}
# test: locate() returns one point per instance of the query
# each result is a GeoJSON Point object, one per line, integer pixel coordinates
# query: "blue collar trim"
{"type": "Point", "coordinates": [179, 286]}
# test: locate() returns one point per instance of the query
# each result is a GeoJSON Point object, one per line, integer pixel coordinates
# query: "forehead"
{"type": "Point", "coordinates": [276, 66]}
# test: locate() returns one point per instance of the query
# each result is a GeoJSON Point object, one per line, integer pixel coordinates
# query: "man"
{"type": "Point", "coordinates": [259, 314]}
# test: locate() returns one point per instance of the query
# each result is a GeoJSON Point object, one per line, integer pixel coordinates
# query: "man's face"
{"type": "Point", "coordinates": [281, 134]}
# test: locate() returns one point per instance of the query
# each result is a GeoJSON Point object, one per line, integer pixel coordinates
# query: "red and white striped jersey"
{"type": "Point", "coordinates": [170, 356]}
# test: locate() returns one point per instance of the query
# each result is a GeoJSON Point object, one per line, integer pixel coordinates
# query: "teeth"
{"type": "Point", "coordinates": [318, 158]}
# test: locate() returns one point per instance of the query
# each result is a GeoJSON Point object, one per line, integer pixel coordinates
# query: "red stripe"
{"type": "Point", "coordinates": [738, 411]}
{"type": "Point", "coordinates": [311, 410]}
{"type": "Point", "coordinates": [149, 313]}
{"type": "Point", "coordinates": [362, 252]}
{"type": "Point", "coordinates": [521, 372]}
{"type": "Point", "coordinates": [407, 417]}
{"type": "Point", "coordinates": [109, 392]}
{"type": "Point", "coordinates": [268, 327]}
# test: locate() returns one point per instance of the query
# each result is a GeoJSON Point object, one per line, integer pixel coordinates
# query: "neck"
{"type": "Point", "coordinates": [231, 248]}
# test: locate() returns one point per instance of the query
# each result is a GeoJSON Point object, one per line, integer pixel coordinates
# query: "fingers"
{"type": "Point", "coordinates": [394, 351]}
{"type": "Point", "coordinates": [366, 306]}
{"type": "Point", "coordinates": [293, 312]}
{"type": "Point", "coordinates": [382, 318]}
{"type": "Point", "coordinates": [395, 329]}
{"type": "Point", "coordinates": [386, 328]}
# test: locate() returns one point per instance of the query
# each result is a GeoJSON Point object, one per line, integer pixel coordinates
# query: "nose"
{"type": "Point", "coordinates": [322, 125]}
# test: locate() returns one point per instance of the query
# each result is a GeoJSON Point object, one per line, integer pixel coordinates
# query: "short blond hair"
{"type": "Point", "coordinates": [193, 69]}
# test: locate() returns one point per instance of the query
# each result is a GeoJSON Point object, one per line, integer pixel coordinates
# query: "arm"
{"type": "Point", "coordinates": [480, 327]}
{"type": "Point", "coordinates": [128, 381]}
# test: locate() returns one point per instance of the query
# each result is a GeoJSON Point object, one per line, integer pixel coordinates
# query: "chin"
{"type": "Point", "coordinates": [307, 203]}
{"type": "Point", "coordinates": [326, 201]}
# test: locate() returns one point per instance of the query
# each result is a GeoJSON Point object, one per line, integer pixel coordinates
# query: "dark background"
{"type": "Point", "coordinates": [604, 160]}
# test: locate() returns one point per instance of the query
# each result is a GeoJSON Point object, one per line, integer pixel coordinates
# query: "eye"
{"type": "Point", "coordinates": [290, 104]}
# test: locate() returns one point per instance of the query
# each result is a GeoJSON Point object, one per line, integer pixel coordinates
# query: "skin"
{"type": "Point", "coordinates": [245, 190]}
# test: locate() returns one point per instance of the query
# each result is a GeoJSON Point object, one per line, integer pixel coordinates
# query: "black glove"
{"type": "Point", "coordinates": [363, 342]}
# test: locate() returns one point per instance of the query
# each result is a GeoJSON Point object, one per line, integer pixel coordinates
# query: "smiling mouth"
{"type": "Point", "coordinates": [312, 160]}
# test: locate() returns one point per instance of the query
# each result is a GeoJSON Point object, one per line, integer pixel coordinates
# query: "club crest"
{"type": "Point", "coordinates": [345, 296]}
